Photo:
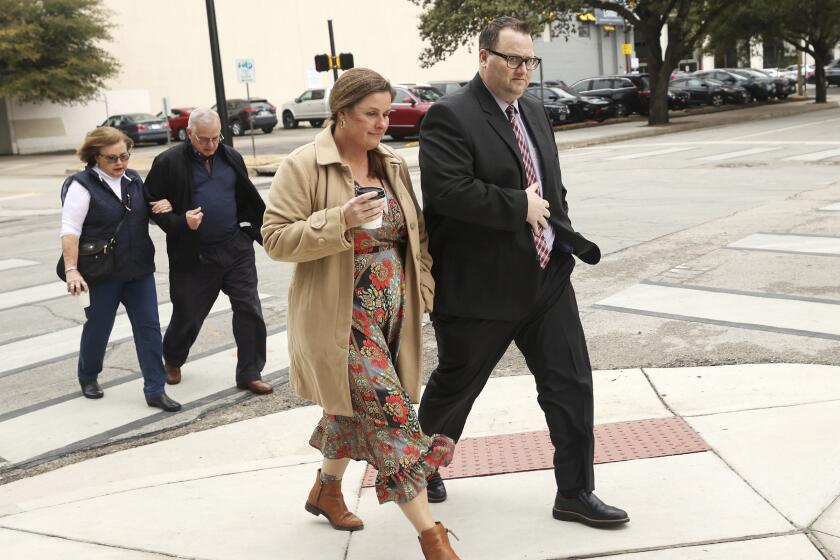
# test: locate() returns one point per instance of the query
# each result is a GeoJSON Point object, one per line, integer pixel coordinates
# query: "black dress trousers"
{"type": "Point", "coordinates": [231, 268]}
{"type": "Point", "coordinates": [552, 340]}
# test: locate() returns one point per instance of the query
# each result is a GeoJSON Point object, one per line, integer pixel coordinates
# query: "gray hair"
{"type": "Point", "coordinates": [203, 115]}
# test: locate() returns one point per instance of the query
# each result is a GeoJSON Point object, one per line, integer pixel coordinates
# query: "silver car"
{"type": "Point", "coordinates": [312, 105]}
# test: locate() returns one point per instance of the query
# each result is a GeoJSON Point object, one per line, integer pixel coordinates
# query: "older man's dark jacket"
{"type": "Point", "coordinates": [485, 261]}
{"type": "Point", "coordinates": [171, 177]}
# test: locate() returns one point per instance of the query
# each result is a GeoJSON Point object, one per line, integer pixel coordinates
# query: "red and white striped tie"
{"type": "Point", "coordinates": [531, 175]}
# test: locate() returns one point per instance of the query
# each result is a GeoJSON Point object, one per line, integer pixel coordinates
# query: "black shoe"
{"type": "Point", "coordinates": [92, 390]}
{"type": "Point", "coordinates": [435, 490]}
{"type": "Point", "coordinates": [588, 509]}
{"type": "Point", "coordinates": [163, 402]}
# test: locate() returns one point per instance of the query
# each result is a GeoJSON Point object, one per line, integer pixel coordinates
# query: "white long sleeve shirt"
{"type": "Point", "coordinates": [77, 203]}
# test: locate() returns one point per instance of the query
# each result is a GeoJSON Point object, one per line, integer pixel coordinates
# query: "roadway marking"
{"type": "Point", "coordinates": [736, 154]}
{"type": "Point", "coordinates": [831, 207]}
{"type": "Point", "coordinates": [783, 129]}
{"type": "Point", "coordinates": [17, 196]}
{"type": "Point", "coordinates": [791, 243]}
{"type": "Point", "coordinates": [815, 156]}
{"type": "Point", "coordinates": [33, 294]}
{"type": "Point", "coordinates": [55, 427]}
{"type": "Point", "coordinates": [785, 314]}
{"type": "Point", "coordinates": [648, 154]}
{"type": "Point", "coordinates": [10, 264]}
{"type": "Point", "coordinates": [36, 350]}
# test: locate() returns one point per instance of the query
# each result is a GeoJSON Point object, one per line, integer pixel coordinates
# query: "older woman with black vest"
{"type": "Point", "coordinates": [105, 202]}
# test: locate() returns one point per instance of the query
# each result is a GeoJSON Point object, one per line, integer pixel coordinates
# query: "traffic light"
{"type": "Point", "coordinates": [345, 61]}
{"type": "Point", "coordinates": [322, 63]}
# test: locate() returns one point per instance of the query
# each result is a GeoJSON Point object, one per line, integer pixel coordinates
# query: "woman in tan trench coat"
{"type": "Point", "coordinates": [356, 300]}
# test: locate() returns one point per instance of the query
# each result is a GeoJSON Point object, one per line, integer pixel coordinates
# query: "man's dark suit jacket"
{"type": "Point", "coordinates": [171, 177]}
{"type": "Point", "coordinates": [485, 261]}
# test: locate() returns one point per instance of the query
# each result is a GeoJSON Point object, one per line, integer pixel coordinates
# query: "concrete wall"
{"type": "Point", "coordinates": [575, 57]}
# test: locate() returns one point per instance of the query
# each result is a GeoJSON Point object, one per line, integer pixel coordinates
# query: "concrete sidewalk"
{"type": "Point", "coordinates": [750, 473]}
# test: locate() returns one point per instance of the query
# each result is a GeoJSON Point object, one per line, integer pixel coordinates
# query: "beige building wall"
{"type": "Point", "coordinates": [163, 49]}
{"type": "Point", "coordinates": [164, 45]}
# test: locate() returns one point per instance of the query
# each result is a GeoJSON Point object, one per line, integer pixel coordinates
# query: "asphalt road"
{"type": "Point", "coordinates": [676, 217]}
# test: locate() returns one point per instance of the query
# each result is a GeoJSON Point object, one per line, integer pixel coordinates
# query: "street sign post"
{"type": "Point", "coordinates": [246, 73]}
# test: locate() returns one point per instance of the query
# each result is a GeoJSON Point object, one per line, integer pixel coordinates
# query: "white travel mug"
{"type": "Point", "coordinates": [376, 223]}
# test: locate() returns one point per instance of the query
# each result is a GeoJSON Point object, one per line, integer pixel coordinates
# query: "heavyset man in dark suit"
{"type": "Point", "coordinates": [216, 217]}
{"type": "Point", "coordinates": [502, 244]}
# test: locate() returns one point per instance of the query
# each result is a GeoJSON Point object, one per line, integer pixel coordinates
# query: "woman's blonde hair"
{"type": "Point", "coordinates": [99, 138]}
{"type": "Point", "coordinates": [353, 86]}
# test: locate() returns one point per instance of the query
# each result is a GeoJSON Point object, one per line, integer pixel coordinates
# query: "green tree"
{"type": "Point", "coordinates": [49, 52]}
{"type": "Point", "coordinates": [449, 24]}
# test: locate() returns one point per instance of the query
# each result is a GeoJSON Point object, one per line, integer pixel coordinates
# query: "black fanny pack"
{"type": "Point", "coordinates": [96, 257]}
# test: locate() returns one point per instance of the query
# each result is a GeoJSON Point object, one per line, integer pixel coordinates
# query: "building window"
{"type": "Point", "coordinates": [583, 30]}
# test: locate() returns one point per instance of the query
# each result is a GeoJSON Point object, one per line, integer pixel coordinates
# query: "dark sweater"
{"type": "Point", "coordinates": [215, 194]}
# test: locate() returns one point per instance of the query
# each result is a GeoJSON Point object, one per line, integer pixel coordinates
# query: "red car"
{"type": "Point", "coordinates": [178, 122]}
{"type": "Point", "coordinates": [410, 105]}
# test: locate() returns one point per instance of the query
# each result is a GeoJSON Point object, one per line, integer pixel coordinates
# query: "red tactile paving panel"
{"type": "Point", "coordinates": [531, 451]}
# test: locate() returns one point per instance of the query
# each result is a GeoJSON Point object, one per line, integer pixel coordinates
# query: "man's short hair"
{"type": "Point", "coordinates": [490, 36]}
{"type": "Point", "coordinates": [204, 116]}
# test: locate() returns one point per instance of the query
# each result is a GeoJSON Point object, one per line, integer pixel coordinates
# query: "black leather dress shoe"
{"type": "Point", "coordinates": [589, 510]}
{"type": "Point", "coordinates": [92, 390]}
{"type": "Point", "coordinates": [163, 402]}
{"type": "Point", "coordinates": [435, 490]}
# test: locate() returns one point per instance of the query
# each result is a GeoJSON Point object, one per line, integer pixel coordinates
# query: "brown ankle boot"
{"type": "Point", "coordinates": [435, 543]}
{"type": "Point", "coordinates": [326, 499]}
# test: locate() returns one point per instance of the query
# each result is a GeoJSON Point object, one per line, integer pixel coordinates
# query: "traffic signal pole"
{"type": "Point", "coordinates": [332, 51]}
{"type": "Point", "coordinates": [218, 78]}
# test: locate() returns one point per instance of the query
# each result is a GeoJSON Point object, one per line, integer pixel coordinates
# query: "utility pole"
{"type": "Point", "coordinates": [332, 51]}
{"type": "Point", "coordinates": [218, 77]}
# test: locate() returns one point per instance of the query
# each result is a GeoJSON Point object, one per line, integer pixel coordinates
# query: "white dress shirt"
{"type": "Point", "coordinates": [77, 203]}
{"type": "Point", "coordinates": [548, 233]}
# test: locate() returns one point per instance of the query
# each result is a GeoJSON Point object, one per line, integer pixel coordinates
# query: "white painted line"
{"type": "Point", "coordinates": [17, 196]}
{"type": "Point", "coordinates": [648, 154]}
{"type": "Point", "coordinates": [63, 424]}
{"type": "Point", "coordinates": [783, 129]}
{"type": "Point", "coordinates": [65, 342]}
{"type": "Point", "coordinates": [804, 244]}
{"type": "Point", "coordinates": [689, 303]}
{"type": "Point", "coordinates": [815, 156]}
{"type": "Point", "coordinates": [832, 207]}
{"type": "Point", "coordinates": [33, 294]}
{"type": "Point", "coordinates": [9, 264]}
{"type": "Point", "coordinates": [27, 213]}
{"type": "Point", "coordinates": [737, 154]}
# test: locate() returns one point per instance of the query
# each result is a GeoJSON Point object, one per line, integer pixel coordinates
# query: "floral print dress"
{"type": "Point", "coordinates": [383, 430]}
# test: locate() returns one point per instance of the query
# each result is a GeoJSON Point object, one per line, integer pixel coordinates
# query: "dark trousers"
{"type": "Point", "coordinates": [139, 297]}
{"type": "Point", "coordinates": [551, 339]}
{"type": "Point", "coordinates": [229, 268]}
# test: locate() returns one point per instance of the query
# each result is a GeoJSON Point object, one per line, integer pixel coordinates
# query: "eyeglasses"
{"type": "Point", "coordinates": [114, 159]}
{"type": "Point", "coordinates": [513, 61]}
{"type": "Point", "coordinates": [205, 141]}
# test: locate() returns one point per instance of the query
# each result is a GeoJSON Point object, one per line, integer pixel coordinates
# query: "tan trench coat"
{"type": "Point", "coordinates": [304, 224]}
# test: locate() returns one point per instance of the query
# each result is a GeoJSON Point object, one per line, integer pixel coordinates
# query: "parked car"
{"type": "Point", "coordinates": [312, 105]}
{"type": "Point", "coordinates": [832, 73]}
{"type": "Point", "coordinates": [410, 105]}
{"type": "Point", "coordinates": [629, 93]}
{"type": "Point", "coordinates": [807, 70]}
{"type": "Point", "coordinates": [677, 99]}
{"type": "Point", "coordinates": [558, 112]}
{"type": "Point", "coordinates": [702, 91]}
{"type": "Point", "coordinates": [178, 120]}
{"type": "Point", "coordinates": [243, 115]}
{"type": "Point", "coordinates": [141, 127]}
{"type": "Point", "coordinates": [785, 86]}
{"type": "Point", "coordinates": [581, 108]}
{"type": "Point", "coordinates": [756, 88]}
{"type": "Point", "coordinates": [448, 86]}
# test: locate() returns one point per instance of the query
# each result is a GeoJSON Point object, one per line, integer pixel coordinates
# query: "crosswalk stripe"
{"type": "Point", "coordinates": [32, 294]}
{"type": "Point", "coordinates": [831, 207]}
{"type": "Point", "coordinates": [55, 427]}
{"type": "Point", "coordinates": [803, 244]}
{"type": "Point", "coordinates": [11, 264]}
{"type": "Point", "coordinates": [815, 156]}
{"type": "Point", "coordinates": [761, 311]}
{"type": "Point", "coordinates": [46, 347]}
{"type": "Point", "coordinates": [736, 154]}
{"type": "Point", "coordinates": [648, 154]}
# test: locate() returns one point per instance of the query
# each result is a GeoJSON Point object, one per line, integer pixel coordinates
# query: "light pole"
{"type": "Point", "coordinates": [218, 77]}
